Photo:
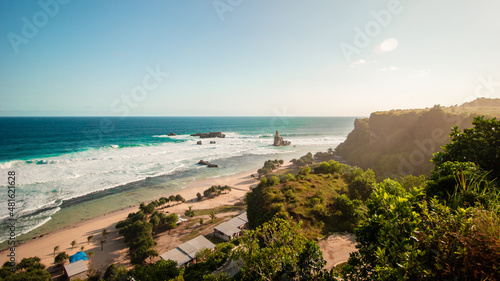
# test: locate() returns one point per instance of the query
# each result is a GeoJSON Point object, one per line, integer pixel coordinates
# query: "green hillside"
{"type": "Point", "coordinates": [401, 142]}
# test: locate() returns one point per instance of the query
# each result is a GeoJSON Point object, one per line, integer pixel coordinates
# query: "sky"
{"type": "Point", "coordinates": [245, 58]}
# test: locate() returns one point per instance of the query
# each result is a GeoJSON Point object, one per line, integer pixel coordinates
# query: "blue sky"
{"type": "Point", "coordinates": [243, 58]}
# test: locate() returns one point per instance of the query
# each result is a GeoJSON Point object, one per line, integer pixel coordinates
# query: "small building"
{"type": "Point", "coordinates": [232, 228]}
{"type": "Point", "coordinates": [181, 220]}
{"type": "Point", "coordinates": [240, 221]}
{"type": "Point", "coordinates": [176, 255]}
{"type": "Point", "coordinates": [186, 253]}
{"type": "Point", "coordinates": [226, 231]}
{"type": "Point", "coordinates": [76, 270]}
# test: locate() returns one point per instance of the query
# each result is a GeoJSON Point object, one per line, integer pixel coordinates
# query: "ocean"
{"type": "Point", "coordinates": [100, 164]}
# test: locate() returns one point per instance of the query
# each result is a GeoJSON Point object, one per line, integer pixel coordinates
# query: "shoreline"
{"type": "Point", "coordinates": [115, 251]}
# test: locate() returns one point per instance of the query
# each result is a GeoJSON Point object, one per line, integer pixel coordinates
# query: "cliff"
{"type": "Point", "coordinates": [401, 142]}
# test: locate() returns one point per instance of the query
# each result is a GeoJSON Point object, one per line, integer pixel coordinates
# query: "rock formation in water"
{"type": "Point", "coordinates": [278, 141]}
{"type": "Point", "coordinates": [209, 135]}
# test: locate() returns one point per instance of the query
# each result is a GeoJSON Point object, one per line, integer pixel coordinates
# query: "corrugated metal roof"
{"type": "Point", "coordinates": [239, 221]}
{"type": "Point", "coordinates": [177, 256]}
{"type": "Point", "coordinates": [243, 216]}
{"type": "Point", "coordinates": [187, 251]}
{"type": "Point", "coordinates": [191, 247]}
{"type": "Point", "coordinates": [75, 268]}
{"type": "Point", "coordinates": [227, 228]}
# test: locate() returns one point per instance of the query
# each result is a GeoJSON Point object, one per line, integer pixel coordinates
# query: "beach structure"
{"type": "Point", "coordinates": [232, 228]}
{"type": "Point", "coordinates": [78, 256]}
{"type": "Point", "coordinates": [181, 220]}
{"type": "Point", "coordinates": [186, 253]}
{"type": "Point", "coordinates": [76, 270]}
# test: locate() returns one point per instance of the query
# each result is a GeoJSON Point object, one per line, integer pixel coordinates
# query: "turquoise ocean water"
{"type": "Point", "coordinates": [64, 162]}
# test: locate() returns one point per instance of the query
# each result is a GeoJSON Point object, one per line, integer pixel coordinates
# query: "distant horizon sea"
{"type": "Point", "coordinates": [63, 163]}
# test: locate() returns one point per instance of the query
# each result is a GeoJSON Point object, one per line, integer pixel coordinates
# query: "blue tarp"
{"type": "Point", "coordinates": [78, 256]}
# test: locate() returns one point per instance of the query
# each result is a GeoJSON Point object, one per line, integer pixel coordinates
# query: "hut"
{"type": "Point", "coordinates": [76, 270]}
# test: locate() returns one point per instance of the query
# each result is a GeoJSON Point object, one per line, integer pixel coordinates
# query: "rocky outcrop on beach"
{"type": "Point", "coordinates": [172, 134]}
{"type": "Point", "coordinates": [209, 135]}
{"type": "Point", "coordinates": [210, 165]}
{"type": "Point", "coordinates": [278, 141]}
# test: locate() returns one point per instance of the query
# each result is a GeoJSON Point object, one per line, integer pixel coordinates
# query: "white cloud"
{"type": "Point", "coordinates": [421, 72]}
{"type": "Point", "coordinates": [390, 68]}
{"type": "Point", "coordinates": [361, 62]}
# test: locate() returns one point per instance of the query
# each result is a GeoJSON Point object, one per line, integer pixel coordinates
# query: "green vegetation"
{"type": "Point", "coordinates": [138, 230]}
{"type": "Point", "coordinates": [479, 144]}
{"type": "Point", "coordinates": [269, 166]}
{"type": "Point", "coordinates": [445, 227]}
{"type": "Point", "coordinates": [61, 258]}
{"type": "Point", "coordinates": [278, 250]}
{"type": "Point", "coordinates": [215, 190]}
{"type": "Point", "coordinates": [189, 212]}
{"type": "Point", "coordinates": [313, 198]}
{"type": "Point", "coordinates": [399, 143]}
{"type": "Point", "coordinates": [447, 230]}
{"type": "Point", "coordinates": [27, 269]}
{"type": "Point", "coordinates": [304, 160]}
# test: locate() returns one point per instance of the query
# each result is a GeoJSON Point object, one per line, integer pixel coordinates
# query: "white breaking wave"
{"type": "Point", "coordinates": [42, 184]}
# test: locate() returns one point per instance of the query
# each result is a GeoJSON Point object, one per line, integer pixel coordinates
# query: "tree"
{"type": "Point", "coordinates": [163, 200]}
{"type": "Point", "coordinates": [170, 221]}
{"type": "Point", "coordinates": [171, 198]}
{"type": "Point", "coordinates": [30, 264]}
{"type": "Point", "coordinates": [61, 258]}
{"type": "Point", "coordinates": [361, 186]}
{"type": "Point", "coordinates": [479, 144]}
{"type": "Point", "coordinates": [90, 254]}
{"type": "Point", "coordinates": [199, 196]}
{"type": "Point", "coordinates": [102, 243]}
{"type": "Point", "coordinates": [161, 270]}
{"type": "Point", "coordinates": [212, 216]}
{"type": "Point", "coordinates": [407, 238]}
{"type": "Point", "coordinates": [89, 238]}
{"type": "Point", "coordinates": [27, 269]}
{"type": "Point", "coordinates": [189, 212]}
{"type": "Point", "coordinates": [73, 243]}
{"type": "Point", "coordinates": [115, 272]}
{"type": "Point", "coordinates": [81, 248]}
{"type": "Point", "coordinates": [105, 233]}
{"type": "Point", "coordinates": [347, 214]}
{"type": "Point", "coordinates": [56, 248]}
{"type": "Point", "coordinates": [179, 198]}
{"type": "Point", "coordinates": [278, 251]}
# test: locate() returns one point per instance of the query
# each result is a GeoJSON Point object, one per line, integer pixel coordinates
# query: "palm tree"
{"type": "Point", "coordinates": [90, 254]}
{"type": "Point", "coordinates": [89, 238]}
{"type": "Point", "coordinates": [212, 216]}
{"type": "Point", "coordinates": [105, 233]}
{"type": "Point", "coordinates": [73, 243]}
{"type": "Point", "coordinates": [81, 248]}
{"type": "Point", "coordinates": [61, 258]}
{"type": "Point", "coordinates": [102, 244]}
{"type": "Point", "coordinates": [56, 248]}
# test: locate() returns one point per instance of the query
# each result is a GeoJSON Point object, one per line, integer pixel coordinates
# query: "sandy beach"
{"type": "Point", "coordinates": [115, 250]}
